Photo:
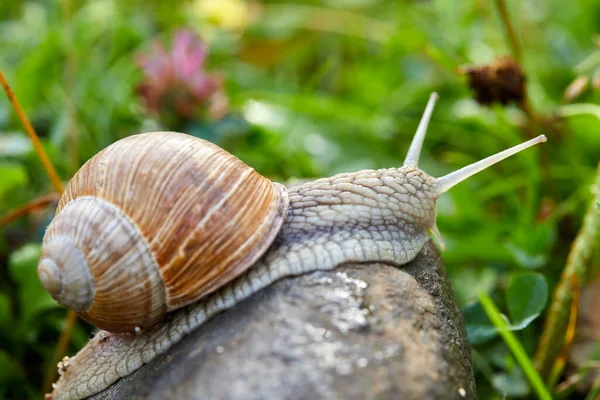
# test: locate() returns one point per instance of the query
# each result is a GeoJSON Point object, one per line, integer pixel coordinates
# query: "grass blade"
{"type": "Point", "coordinates": [515, 346]}
{"type": "Point", "coordinates": [560, 362]}
{"type": "Point", "coordinates": [553, 335]}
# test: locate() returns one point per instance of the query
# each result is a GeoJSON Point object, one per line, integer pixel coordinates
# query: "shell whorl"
{"type": "Point", "coordinates": [161, 219]}
{"type": "Point", "coordinates": [75, 288]}
{"type": "Point", "coordinates": [99, 260]}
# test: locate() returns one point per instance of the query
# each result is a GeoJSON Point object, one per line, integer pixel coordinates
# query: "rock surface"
{"type": "Point", "coordinates": [363, 331]}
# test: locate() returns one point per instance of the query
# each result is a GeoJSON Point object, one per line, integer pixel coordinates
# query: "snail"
{"type": "Point", "coordinates": [151, 224]}
{"type": "Point", "coordinates": [186, 213]}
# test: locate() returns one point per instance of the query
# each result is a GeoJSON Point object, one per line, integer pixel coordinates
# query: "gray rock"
{"type": "Point", "coordinates": [364, 331]}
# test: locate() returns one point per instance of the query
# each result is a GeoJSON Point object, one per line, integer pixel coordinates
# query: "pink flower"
{"type": "Point", "coordinates": [177, 82]}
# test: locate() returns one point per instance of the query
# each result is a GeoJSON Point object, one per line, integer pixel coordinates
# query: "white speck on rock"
{"type": "Point", "coordinates": [317, 334]}
{"type": "Point", "coordinates": [345, 303]}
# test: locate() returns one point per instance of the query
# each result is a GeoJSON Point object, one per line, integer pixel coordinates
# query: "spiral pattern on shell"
{"type": "Point", "coordinates": [153, 223]}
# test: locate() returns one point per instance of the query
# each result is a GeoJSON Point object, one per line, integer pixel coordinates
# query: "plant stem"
{"type": "Point", "coordinates": [577, 109]}
{"type": "Point", "coordinates": [70, 82]}
{"type": "Point", "coordinates": [39, 149]}
{"type": "Point", "coordinates": [65, 335]}
{"type": "Point", "coordinates": [515, 346]}
{"type": "Point", "coordinates": [61, 348]}
{"type": "Point", "coordinates": [561, 360]}
{"type": "Point", "coordinates": [582, 249]}
{"type": "Point", "coordinates": [510, 32]}
{"type": "Point", "coordinates": [34, 204]}
{"type": "Point", "coordinates": [594, 393]}
{"type": "Point", "coordinates": [568, 385]}
{"type": "Point", "coordinates": [534, 122]}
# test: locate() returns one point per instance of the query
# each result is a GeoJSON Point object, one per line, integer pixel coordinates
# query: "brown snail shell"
{"type": "Point", "coordinates": [153, 223]}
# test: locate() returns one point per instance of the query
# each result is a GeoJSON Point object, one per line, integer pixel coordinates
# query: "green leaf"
{"type": "Point", "coordinates": [519, 325]}
{"type": "Point", "coordinates": [479, 328]}
{"type": "Point", "coordinates": [469, 282]}
{"type": "Point", "coordinates": [22, 262]}
{"type": "Point", "coordinates": [5, 312]}
{"type": "Point", "coordinates": [11, 371]}
{"type": "Point", "coordinates": [531, 243]}
{"type": "Point", "coordinates": [22, 266]}
{"type": "Point", "coordinates": [515, 346]}
{"type": "Point", "coordinates": [511, 385]}
{"type": "Point", "coordinates": [526, 297]}
{"type": "Point", "coordinates": [11, 175]}
{"type": "Point", "coordinates": [525, 258]}
{"type": "Point", "coordinates": [13, 381]}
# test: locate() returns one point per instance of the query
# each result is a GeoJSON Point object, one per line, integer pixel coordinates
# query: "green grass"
{"type": "Point", "coordinates": [515, 346]}
{"type": "Point", "coordinates": [315, 88]}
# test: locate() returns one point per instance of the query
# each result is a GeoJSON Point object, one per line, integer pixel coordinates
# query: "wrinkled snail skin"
{"type": "Point", "coordinates": [366, 216]}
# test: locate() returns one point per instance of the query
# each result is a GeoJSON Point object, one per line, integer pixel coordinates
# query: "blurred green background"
{"type": "Point", "coordinates": [310, 89]}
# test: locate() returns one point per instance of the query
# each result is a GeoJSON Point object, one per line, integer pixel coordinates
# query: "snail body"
{"type": "Point", "coordinates": [367, 216]}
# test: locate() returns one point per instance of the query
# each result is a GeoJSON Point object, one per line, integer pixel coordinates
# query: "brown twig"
{"type": "Point", "coordinates": [39, 149]}
{"type": "Point", "coordinates": [70, 80]}
{"type": "Point", "coordinates": [59, 351]}
{"type": "Point", "coordinates": [534, 121]}
{"type": "Point", "coordinates": [517, 52]}
{"type": "Point", "coordinates": [566, 386]}
{"type": "Point", "coordinates": [561, 360]}
{"type": "Point", "coordinates": [65, 335]}
{"type": "Point", "coordinates": [34, 204]}
{"type": "Point", "coordinates": [510, 31]}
